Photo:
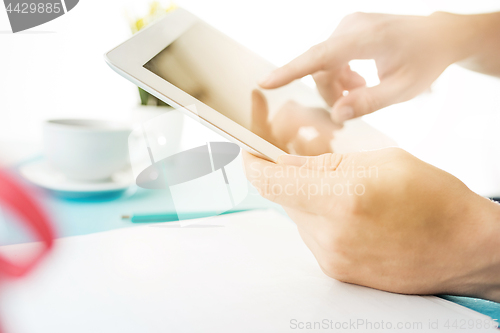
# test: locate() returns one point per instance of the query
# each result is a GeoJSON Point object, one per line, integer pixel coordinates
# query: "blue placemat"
{"type": "Point", "coordinates": [74, 217]}
{"type": "Point", "coordinates": [488, 308]}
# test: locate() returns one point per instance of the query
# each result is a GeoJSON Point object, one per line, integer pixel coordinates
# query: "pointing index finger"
{"type": "Point", "coordinates": [319, 57]}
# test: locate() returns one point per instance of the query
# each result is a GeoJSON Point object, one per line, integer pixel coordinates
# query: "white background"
{"type": "Point", "coordinates": [58, 70]}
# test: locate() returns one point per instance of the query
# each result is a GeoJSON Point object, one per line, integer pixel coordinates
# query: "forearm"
{"type": "Point", "coordinates": [476, 39]}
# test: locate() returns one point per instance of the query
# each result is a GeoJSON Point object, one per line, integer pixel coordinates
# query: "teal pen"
{"type": "Point", "coordinates": [173, 217]}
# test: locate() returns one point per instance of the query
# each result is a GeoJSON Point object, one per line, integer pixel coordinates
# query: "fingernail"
{"type": "Point", "coordinates": [344, 113]}
{"type": "Point", "coordinates": [265, 80]}
{"type": "Point", "coordinates": [292, 160]}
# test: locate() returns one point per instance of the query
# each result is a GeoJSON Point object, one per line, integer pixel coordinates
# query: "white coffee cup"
{"type": "Point", "coordinates": [86, 149]}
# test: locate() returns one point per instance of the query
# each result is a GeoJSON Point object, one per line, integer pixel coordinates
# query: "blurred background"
{"type": "Point", "coordinates": [58, 70]}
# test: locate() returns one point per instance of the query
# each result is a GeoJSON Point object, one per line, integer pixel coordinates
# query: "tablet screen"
{"type": "Point", "coordinates": [219, 72]}
{"type": "Point", "coordinates": [213, 69]}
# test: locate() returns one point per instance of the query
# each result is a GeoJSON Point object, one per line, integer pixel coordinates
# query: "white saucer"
{"type": "Point", "coordinates": [40, 173]}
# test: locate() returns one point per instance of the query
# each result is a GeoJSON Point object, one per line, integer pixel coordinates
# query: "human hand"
{"type": "Point", "coordinates": [410, 53]}
{"type": "Point", "coordinates": [386, 220]}
{"type": "Point", "coordinates": [294, 128]}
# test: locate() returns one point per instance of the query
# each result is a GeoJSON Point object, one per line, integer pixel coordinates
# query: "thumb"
{"type": "Point", "coordinates": [287, 184]}
{"type": "Point", "coordinates": [365, 100]}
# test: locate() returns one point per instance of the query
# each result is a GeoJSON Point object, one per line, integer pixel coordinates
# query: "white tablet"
{"type": "Point", "coordinates": [185, 62]}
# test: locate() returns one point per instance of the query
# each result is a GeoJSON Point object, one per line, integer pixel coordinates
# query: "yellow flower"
{"type": "Point", "coordinates": [156, 10]}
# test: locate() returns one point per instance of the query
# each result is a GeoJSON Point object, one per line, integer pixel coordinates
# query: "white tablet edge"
{"type": "Point", "coordinates": [128, 58]}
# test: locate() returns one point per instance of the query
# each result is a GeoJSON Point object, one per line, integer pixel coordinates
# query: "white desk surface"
{"type": "Point", "coordinates": [246, 272]}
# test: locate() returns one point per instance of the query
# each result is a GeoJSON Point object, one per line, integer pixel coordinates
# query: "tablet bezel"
{"type": "Point", "coordinates": [128, 60]}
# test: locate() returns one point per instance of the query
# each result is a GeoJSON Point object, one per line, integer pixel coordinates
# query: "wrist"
{"type": "Point", "coordinates": [455, 34]}
{"type": "Point", "coordinates": [466, 36]}
{"type": "Point", "coordinates": [484, 280]}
